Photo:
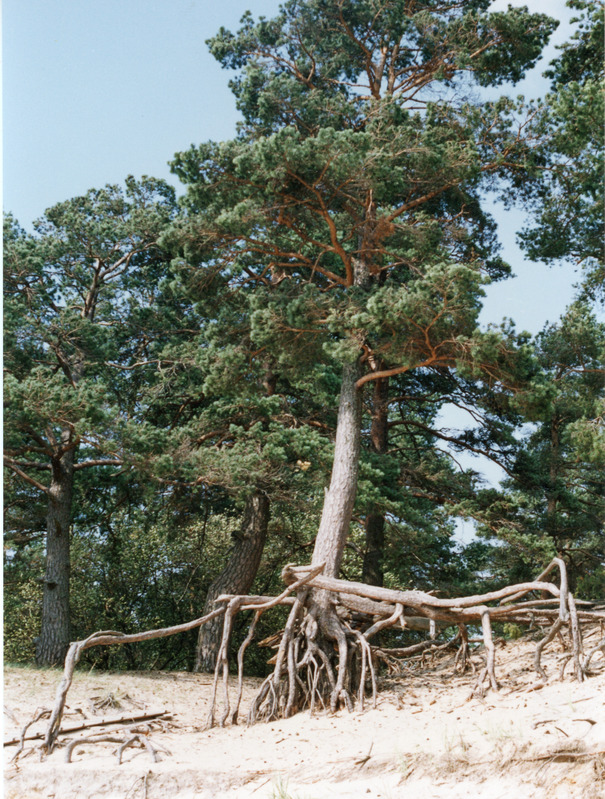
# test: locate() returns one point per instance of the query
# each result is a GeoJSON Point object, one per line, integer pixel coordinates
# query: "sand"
{"type": "Point", "coordinates": [425, 739]}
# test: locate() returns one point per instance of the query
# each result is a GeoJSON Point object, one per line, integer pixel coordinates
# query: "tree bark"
{"type": "Point", "coordinates": [237, 576]}
{"type": "Point", "coordinates": [553, 475]}
{"type": "Point", "coordinates": [372, 573]}
{"type": "Point", "coordinates": [55, 633]}
{"type": "Point", "coordinates": [340, 497]}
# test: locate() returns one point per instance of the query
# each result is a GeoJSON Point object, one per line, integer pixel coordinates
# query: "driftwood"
{"type": "Point", "coordinates": [328, 660]}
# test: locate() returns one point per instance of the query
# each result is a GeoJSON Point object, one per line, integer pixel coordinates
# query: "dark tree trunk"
{"type": "Point", "coordinates": [372, 570]}
{"type": "Point", "coordinates": [340, 497]}
{"type": "Point", "coordinates": [374, 524]}
{"type": "Point", "coordinates": [237, 576]}
{"type": "Point", "coordinates": [553, 475]}
{"type": "Point", "coordinates": [55, 633]}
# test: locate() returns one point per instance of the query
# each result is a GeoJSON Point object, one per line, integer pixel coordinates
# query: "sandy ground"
{"type": "Point", "coordinates": [425, 740]}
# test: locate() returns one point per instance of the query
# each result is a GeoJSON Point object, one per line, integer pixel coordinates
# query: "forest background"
{"type": "Point", "coordinates": [170, 459]}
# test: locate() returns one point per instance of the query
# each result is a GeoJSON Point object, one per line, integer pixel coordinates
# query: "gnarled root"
{"type": "Point", "coordinates": [133, 738]}
{"type": "Point", "coordinates": [463, 657]}
{"type": "Point", "coordinates": [325, 656]}
{"type": "Point", "coordinates": [313, 664]}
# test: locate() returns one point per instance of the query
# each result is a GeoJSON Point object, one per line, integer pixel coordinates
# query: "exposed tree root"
{"type": "Point", "coordinates": [325, 658]}
{"type": "Point", "coordinates": [41, 713]}
{"type": "Point", "coordinates": [132, 738]}
{"type": "Point", "coordinates": [600, 647]}
{"type": "Point", "coordinates": [463, 657]}
{"type": "Point", "coordinates": [104, 638]}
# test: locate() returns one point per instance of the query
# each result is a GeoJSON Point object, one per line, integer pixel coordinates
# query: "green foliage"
{"type": "Point", "coordinates": [592, 584]}
{"type": "Point", "coordinates": [23, 572]}
{"type": "Point", "coordinates": [192, 357]}
{"type": "Point", "coordinates": [554, 502]}
{"type": "Point", "coordinates": [137, 576]}
{"type": "Point", "coordinates": [152, 569]}
{"type": "Point", "coordinates": [583, 54]}
{"type": "Point", "coordinates": [512, 631]}
{"type": "Point", "coordinates": [566, 199]}
{"type": "Point", "coordinates": [313, 194]}
{"type": "Point", "coordinates": [75, 295]}
{"type": "Point", "coordinates": [306, 65]}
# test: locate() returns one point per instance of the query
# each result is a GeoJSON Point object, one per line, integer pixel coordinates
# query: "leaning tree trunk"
{"type": "Point", "coordinates": [316, 641]}
{"type": "Point", "coordinates": [340, 497]}
{"type": "Point", "coordinates": [237, 576]}
{"type": "Point", "coordinates": [374, 524]}
{"type": "Point", "coordinates": [54, 638]}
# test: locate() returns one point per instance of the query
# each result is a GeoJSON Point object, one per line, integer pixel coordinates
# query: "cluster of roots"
{"type": "Point", "coordinates": [327, 655]}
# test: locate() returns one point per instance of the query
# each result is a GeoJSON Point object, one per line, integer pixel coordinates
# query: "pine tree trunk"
{"type": "Point", "coordinates": [553, 475]}
{"type": "Point", "coordinates": [237, 576]}
{"type": "Point", "coordinates": [374, 525]}
{"type": "Point", "coordinates": [372, 571]}
{"type": "Point", "coordinates": [55, 634]}
{"type": "Point", "coordinates": [340, 497]}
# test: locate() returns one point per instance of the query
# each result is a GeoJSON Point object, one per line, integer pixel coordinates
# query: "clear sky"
{"type": "Point", "coordinates": [95, 90]}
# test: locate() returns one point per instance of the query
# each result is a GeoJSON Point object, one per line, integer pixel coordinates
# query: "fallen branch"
{"type": "Point", "coordinates": [163, 714]}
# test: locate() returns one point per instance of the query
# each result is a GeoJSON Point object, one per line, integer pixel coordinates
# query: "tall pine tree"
{"type": "Point", "coordinates": [351, 199]}
{"type": "Point", "coordinates": [70, 291]}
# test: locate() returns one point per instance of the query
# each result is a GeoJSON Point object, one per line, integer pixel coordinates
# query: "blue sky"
{"type": "Point", "coordinates": [96, 90]}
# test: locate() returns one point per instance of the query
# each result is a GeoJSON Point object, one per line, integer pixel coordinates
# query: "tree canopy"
{"type": "Point", "coordinates": [260, 370]}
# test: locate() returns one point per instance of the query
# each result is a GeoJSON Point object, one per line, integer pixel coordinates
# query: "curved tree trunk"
{"type": "Point", "coordinates": [237, 576]}
{"type": "Point", "coordinates": [374, 525]}
{"type": "Point", "coordinates": [54, 638]}
{"type": "Point", "coordinates": [340, 497]}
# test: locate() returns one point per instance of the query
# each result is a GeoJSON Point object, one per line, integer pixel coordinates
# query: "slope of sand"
{"type": "Point", "coordinates": [425, 740]}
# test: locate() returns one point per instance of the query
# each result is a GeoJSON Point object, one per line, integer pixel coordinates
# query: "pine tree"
{"type": "Point", "coordinates": [69, 290]}
{"type": "Point", "coordinates": [351, 201]}
{"type": "Point", "coordinates": [558, 477]}
{"type": "Point", "coordinates": [565, 198]}
{"type": "Point", "coordinates": [553, 500]}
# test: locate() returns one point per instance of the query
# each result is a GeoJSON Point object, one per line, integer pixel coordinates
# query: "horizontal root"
{"type": "Point", "coordinates": [324, 655]}
{"type": "Point", "coordinates": [132, 739]}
